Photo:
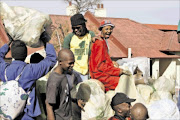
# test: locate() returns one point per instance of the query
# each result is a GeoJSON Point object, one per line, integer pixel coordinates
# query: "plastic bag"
{"type": "Point", "coordinates": [96, 106]}
{"type": "Point", "coordinates": [164, 109]}
{"type": "Point", "coordinates": [24, 24]}
{"type": "Point", "coordinates": [164, 84]}
{"type": "Point", "coordinates": [142, 63]}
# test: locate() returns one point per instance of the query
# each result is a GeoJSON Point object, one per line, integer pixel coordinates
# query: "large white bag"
{"type": "Point", "coordinates": [164, 109]}
{"type": "Point", "coordinates": [12, 99]}
{"type": "Point", "coordinates": [24, 23]}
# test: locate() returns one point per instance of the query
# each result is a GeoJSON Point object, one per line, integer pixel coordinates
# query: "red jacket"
{"type": "Point", "coordinates": [101, 66]}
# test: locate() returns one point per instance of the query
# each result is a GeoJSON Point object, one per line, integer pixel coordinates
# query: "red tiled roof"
{"type": "Point", "coordinates": [144, 40]}
{"type": "Point", "coordinates": [162, 27]}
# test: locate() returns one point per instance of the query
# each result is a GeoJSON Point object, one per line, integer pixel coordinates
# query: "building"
{"type": "Point", "coordinates": [160, 45]}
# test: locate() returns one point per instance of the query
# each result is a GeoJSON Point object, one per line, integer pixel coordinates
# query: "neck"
{"type": "Point", "coordinates": [58, 70]}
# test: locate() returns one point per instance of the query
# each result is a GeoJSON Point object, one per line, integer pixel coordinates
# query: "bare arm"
{"type": "Point", "coordinates": [50, 113]}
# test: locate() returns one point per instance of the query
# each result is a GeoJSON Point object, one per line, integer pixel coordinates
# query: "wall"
{"type": "Point", "coordinates": [155, 68]}
{"type": "Point", "coordinates": [168, 68]}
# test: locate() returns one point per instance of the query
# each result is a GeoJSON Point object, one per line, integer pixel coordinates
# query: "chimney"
{"type": "Point", "coordinates": [70, 3]}
{"type": "Point", "coordinates": [98, 5]}
{"type": "Point", "coordinates": [71, 9]}
{"type": "Point", "coordinates": [100, 11]}
{"type": "Point", "coordinates": [102, 6]}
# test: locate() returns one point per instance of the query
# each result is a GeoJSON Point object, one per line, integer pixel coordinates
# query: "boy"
{"type": "Point", "coordinates": [58, 98]}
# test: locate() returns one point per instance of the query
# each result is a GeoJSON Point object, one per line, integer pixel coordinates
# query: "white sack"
{"type": "Point", "coordinates": [145, 91]}
{"type": "Point", "coordinates": [97, 105]}
{"type": "Point", "coordinates": [24, 23]}
{"type": "Point", "coordinates": [164, 84]}
{"type": "Point", "coordinates": [142, 63]}
{"type": "Point", "coordinates": [159, 95]}
{"type": "Point", "coordinates": [164, 109]}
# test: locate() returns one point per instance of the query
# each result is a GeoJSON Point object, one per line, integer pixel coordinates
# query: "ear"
{"type": "Point", "coordinates": [119, 110]}
{"type": "Point", "coordinates": [60, 62]}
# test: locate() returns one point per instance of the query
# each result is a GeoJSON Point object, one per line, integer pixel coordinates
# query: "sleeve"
{"type": "Point", "coordinates": [67, 40]}
{"type": "Point", "coordinates": [51, 91]}
{"type": "Point", "coordinates": [42, 68]}
{"type": "Point", "coordinates": [3, 51]}
{"type": "Point", "coordinates": [100, 60]}
{"type": "Point", "coordinates": [92, 33]}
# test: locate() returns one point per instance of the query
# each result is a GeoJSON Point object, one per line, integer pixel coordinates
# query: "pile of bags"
{"type": "Point", "coordinates": [152, 93]}
{"type": "Point", "coordinates": [24, 24]}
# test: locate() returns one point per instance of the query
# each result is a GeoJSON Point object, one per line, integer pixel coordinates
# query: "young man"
{"type": "Point", "coordinates": [121, 104]}
{"type": "Point", "coordinates": [101, 65]}
{"type": "Point", "coordinates": [139, 112]}
{"type": "Point", "coordinates": [31, 72]}
{"type": "Point", "coordinates": [79, 43]}
{"type": "Point", "coordinates": [58, 98]}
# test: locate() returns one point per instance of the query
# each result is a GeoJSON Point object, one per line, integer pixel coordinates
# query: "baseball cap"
{"type": "Point", "coordinates": [121, 98]}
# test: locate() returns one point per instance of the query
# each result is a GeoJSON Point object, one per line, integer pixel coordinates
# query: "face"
{"type": "Point", "coordinates": [78, 30]}
{"type": "Point", "coordinates": [124, 109]}
{"type": "Point", "coordinates": [67, 65]}
{"type": "Point", "coordinates": [106, 31]}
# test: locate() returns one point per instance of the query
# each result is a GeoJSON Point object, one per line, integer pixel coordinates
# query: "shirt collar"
{"type": "Point", "coordinates": [119, 117]}
{"type": "Point", "coordinates": [18, 62]}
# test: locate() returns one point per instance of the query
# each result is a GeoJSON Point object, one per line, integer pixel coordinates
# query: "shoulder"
{"type": "Point", "coordinates": [92, 33]}
{"type": "Point", "coordinates": [99, 42]}
{"type": "Point", "coordinates": [69, 35]}
{"type": "Point", "coordinates": [55, 77]}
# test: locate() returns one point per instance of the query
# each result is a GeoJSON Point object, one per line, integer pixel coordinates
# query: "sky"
{"type": "Point", "coordinates": [142, 11]}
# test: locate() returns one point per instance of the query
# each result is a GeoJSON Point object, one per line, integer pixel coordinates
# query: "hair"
{"type": "Point", "coordinates": [36, 58]}
{"type": "Point", "coordinates": [19, 50]}
{"type": "Point", "coordinates": [64, 53]}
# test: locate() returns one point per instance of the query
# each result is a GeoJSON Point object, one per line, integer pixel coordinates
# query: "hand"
{"type": "Point", "coordinates": [96, 38]}
{"type": "Point", "coordinates": [115, 64]}
{"type": "Point", "coordinates": [126, 72]}
{"type": "Point", "coordinates": [10, 39]}
{"type": "Point", "coordinates": [81, 104]}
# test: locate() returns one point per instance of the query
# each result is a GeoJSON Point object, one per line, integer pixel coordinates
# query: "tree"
{"type": "Point", "coordinates": [84, 5]}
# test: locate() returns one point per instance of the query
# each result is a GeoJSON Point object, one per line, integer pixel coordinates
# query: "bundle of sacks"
{"type": "Point", "coordinates": [24, 24]}
{"type": "Point", "coordinates": [152, 93]}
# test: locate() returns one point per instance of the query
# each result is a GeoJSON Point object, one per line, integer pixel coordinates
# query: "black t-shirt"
{"type": "Point", "coordinates": [58, 95]}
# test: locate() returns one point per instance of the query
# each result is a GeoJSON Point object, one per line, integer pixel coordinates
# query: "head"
{"type": "Point", "coordinates": [121, 104]}
{"type": "Point", "coordinates": [78, 25]}
{"type": "Point", "coordinates": [36, 58]}
{"type": "Point", "coordinates": [66, 60]}
{"type": "Point", "coordinates": [19, 50]}
{"type": "Point", "coordinates": [106, 29]}
{"type": "Point", "coordinates": [139, 112]}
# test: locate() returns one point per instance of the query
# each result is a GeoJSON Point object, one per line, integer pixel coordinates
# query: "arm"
{"type": "Point", "coordinates": [3, 51]}
{"type": "Point", "coordinates": [43, 67]}
{"type": "Point", "coordinates": [99, 60]}
{"type": "Point", "coordinates": [50, 113]}
{"type": "Point", "coordinates": [67, 40]}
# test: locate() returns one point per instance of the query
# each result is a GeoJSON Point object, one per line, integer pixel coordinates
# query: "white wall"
{"type": "Point", "coordinates": [168, 68]}
{"type": "Point", "coordinates": [155, 68]}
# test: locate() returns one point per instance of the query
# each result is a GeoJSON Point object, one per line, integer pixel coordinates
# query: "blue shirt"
{"type": "Point", "coordinates": [31, 73]}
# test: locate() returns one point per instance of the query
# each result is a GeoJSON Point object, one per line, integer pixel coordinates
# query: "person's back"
{"type": "Point", "coordinates": [31, 72]}
{"type": "Point", "coordinates": [139, 112]}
